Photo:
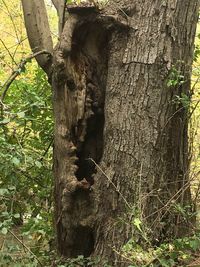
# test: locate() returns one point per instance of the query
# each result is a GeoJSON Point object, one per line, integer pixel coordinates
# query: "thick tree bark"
{"type": "Point", "coordinates": [120, 136]}
{"type": "Point", "coordinates": [144, 154]}
{"type": "Point", "coordinates": [145, 134]}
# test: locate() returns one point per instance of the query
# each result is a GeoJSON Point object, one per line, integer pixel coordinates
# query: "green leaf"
{"type": "Point", "coordinates": [169, 83]}
{"type": "Point", "coordinates": [137, 222]}
{"type": "Point", "coordinates": [21, 114]}
{"type": "Point", "coordinates": [38, 164]}
{"type": "Point", "coordinates": [15, 161]}
{"type": "Point", "coordinates": [164, 262]}
{"type": "Point", "coordinates": [5, 121]}
{"type": "Point", "coordinates": [28, 60]}
{"type": "Point", "coordinates": [11, 188]}
{"type": "Point", "coordinates": [23, 69]}
{"type": "Point", "coordinates": [195, 244]}
{"type": "Point", "coordinates": [17, 215]}
{"type": "Point", "coordinates": [3, 191]}
{"type": "Point", "coordinates": [4, 230]}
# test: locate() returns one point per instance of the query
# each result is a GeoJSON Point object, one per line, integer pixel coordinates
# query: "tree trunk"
{"type": "Point", "coordinates": [38, 32]}
{"type": "Point", "coordinates": [120, 77]}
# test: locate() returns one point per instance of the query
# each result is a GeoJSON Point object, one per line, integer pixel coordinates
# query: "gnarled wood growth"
{"type": "Point", "coordinates": [112, 105]}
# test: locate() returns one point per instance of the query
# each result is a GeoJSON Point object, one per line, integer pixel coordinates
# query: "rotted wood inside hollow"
{"type": "Point", "coordinates": [91, 50]}
{"type": "Point", "coordinates": [82, 8]}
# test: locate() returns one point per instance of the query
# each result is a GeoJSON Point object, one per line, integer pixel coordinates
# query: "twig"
{"type": "Point", "coordinates": [16, 72]}
{"type": "Point", "coordinates": [8, 51]}
{"type": "Point", "coordinates": [175, 196]}
{"type": "Point", "coordinates": [194, 108]}
{"type": "Point", "coordinates": [140, 188]}
{"type": "Point", "coordinates": [117, 190]}
{"type": "Point", "coordinates": [169, 119]}
{"type": "Point", "coordinates": [25, 246]}
{"type": "Point", "coordinates": [47, 149]}
{"type": "Point", "coordinates": [183, 108]}
{"type": "Point", "coordinates": [3, 243]}
{"type": "Point", "coordinates": [122, 255]}
{"type": "Point", "coordinates": [12, 20]}
{"type": "Point", "coordinates": [170, 202]}
{"type": "Point", "coordinates": [12, 46]}
{"type": "Point", "coordinates": [195, 83]}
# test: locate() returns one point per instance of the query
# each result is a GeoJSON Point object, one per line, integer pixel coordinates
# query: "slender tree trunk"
{"type": "Point", "coordinates": [38, 32]}
{"type": "Point", "coordinates": [121, 147]}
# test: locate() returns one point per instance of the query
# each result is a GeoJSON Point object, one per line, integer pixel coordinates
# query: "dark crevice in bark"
{"type": "Point", "coordinates": [91, 148]}
{"type": "Point", "coordinates": [81, 235]}
{"type": "Point", "coordinates": [89, 42]}
{"type": "Point", "coordinates": [84, 241]}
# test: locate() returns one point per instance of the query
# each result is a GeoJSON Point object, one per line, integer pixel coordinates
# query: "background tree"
{"type": "Point", "coordinates": [120, 151]}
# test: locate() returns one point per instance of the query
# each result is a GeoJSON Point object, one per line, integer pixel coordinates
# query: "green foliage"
{"type": "Point", "coordinates": [26, 137]}
{"type": "Point", "coordinates": [7, 259]}
{"type": "Point", "coordinates": [139, 250]}
{"type": "Point", "coordinates": [176, 253]}
{"type": "Point", "coordinates": [79, 261]}
{"type": "Point", "coordinates": [183, 100]}
{"type": "Point", "coordinates": [175, 77]}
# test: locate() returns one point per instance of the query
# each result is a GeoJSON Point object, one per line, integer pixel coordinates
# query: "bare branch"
{"type": "Point", "coordinates": [38, 31]}
{"type": "Point", "coordinates": [10, 47]}
{"type": "Point", "coordinates": [17, 72]}
{"type": "Point", "coordinates": [60, 7]}
{"type": "Point", "coordinates": [7, 49]}
{"type": "Point", "coordinates": [25, 246]}
{"type": "Point", "coordinates": [12, 20]}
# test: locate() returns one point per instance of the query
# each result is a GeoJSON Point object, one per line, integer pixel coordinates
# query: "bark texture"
{"type": "Point", "coordinates": [145, 148]}
{"type": "Point", "coordinates": [113, 107]}
{"type": "Point", "coordinates": [60, 7]}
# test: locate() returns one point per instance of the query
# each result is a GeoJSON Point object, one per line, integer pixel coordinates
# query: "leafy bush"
{"type": "Point", "coordinates": [26, 138]}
